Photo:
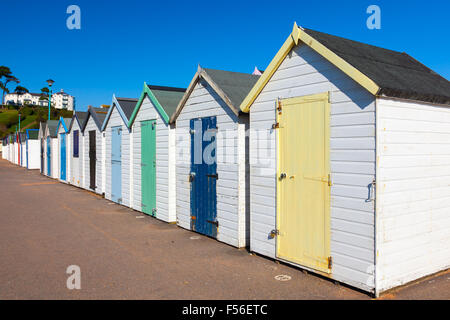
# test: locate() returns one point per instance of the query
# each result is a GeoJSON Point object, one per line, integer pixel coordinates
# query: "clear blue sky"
{"type": "Point", "coordinates": [121, 44]}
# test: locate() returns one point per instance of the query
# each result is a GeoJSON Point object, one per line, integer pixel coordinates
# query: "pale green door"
{"type": "Point", "coordinates": [148, 166]}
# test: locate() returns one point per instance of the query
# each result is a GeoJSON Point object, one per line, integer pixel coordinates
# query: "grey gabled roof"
{"type": "Point", "coordinates": [231, 87]}
{"type": "Point", "coordinates": [52, 125]}
{"type": "Point", "coordinates": [235, 85]}
{"type": "Point", "coordinates": [127, 105]}
{"type": "Point", "coordinates": [98, 114]}
{"type": "Point", "coordinates": [67, 122]}
{"type": "Point", "coordinates": [396, 73]}
{"type": "Point", "coordinates": [78, 116]}
{"type": "Point", "coordinates": [168, 97]}
{"type": "Point", "coordinates": [33, 134]}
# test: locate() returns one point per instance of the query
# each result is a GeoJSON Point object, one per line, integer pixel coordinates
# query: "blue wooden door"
{"type": "Point", "coordinates": [116, 164]}
{"type": "Point", "coordinates": [204, 176]}
{"type": "Point", "coordinates": [49, 167]}
{"type": "Point", "coordinates": [63, 156]}
{"type": "Point", "coordinates": [28, 166]}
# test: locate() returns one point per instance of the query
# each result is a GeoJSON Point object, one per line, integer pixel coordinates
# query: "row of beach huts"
{"type": "Point", "coordinates": [335, 159]}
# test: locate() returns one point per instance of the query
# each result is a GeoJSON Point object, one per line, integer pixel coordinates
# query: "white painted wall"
{"type": "Point", "coordinates": [76, 174]}
{"type": "Point", "coordinates": [34, 154]}
{"type": "Point", "coordinates": [91, 126]}
{"type": "Point", "coordinates": [413, 194]}
{"type": "Point", "coordinates": [116, 120]}
{"type": "Point", "coordinates": [23, 153]}
{"type": "Point", "coordinates": [204, 102]}
{"type": "Point", "coordinates": [55, 157]}
{"type": "Point", "coordinates": [304, 72]}
{"type": "Point", "coordinates": [165, 164]}
{"type": "Point", "coordinates": [16, 153]}
{"type": "Point", "coordinates": [5, 151]}
{"type": "Point", "coordinates": [103, 162]}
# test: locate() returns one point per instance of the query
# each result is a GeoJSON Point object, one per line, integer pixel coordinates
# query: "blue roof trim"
{"type": "Point", "coordinates": [115, 104]}
{"type": "Point", "coordinates": [28, 131]}
{"type": "Point", "coordinates": [61, 120]}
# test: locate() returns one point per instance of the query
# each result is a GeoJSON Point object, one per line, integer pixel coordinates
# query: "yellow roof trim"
{"type": "Point", "coordinates": [298, 34]}
{"type": "Point", "coordinates": [340, 63]}
{"type": "Point", "coordinates": [270, 70]}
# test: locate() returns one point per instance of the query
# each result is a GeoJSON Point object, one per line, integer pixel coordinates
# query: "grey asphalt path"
{"type": "Point", "coordinates": [46, 226]}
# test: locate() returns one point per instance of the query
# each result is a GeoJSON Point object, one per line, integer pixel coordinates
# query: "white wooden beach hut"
{"type": "Point", "coordinates": [92, 156]}
{"type": "Point", "coordinates": [350, 159]}
{"type": "Point", "coordinates": [33, 148]}
{"type": "Point", "coordinates": [16, 149]}
{"type": "Point", "coordinates": [23, 149]}
{"type": "Point", "coordinates": [117, 151]}
{"type": "Point", "coordinates": [75, 136]}
{"type": "Point", "coordinates": [212, 159]}
{"type": "Point", "coordinates": [153, 149]}
{"type": "Point", "coordinates": [51, 149]}
{"type": "Point", "coordinates": [42, 143]}
{"type": "Point", "coordinates": [5, 148]}
{"type": "Point", "coordinates": [63, 148]}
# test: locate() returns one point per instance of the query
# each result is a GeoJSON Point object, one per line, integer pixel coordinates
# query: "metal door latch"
{"type": "Point", "coordinates": [216, 223]}
{"type": "Point", "coordinates": [282, 176]}
{"type": "Point", "coordinates": [191, 176]}
{"type": "Point", "coordinates": [371, 188]}
{"type": "Point", "coordinates": [274, 233]}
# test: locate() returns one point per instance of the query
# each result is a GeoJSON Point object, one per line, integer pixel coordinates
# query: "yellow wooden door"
{"type": "Point", "coordinates": [303, 182]}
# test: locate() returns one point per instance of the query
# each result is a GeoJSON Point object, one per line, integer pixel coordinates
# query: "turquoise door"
{"type": "Point", "coordinates": [116, 164]}
{"type": "Point", "coordinates": [148, 167]}
{"type": "Point", "coordinates": [49, 167]}
{"type": "Point", "coordinates": [63, 156]}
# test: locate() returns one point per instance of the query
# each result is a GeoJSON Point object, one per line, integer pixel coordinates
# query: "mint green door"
{"type": "Point", "coordinates": [148, 167]}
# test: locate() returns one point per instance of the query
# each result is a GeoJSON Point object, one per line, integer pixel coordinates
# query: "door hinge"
{"type": "Point", "coordinates": [274, 233]}
{"type": "Point", "coordinates": [216, 223]}
{"type": "Point", "coordinates": [330, 183]}
{"type": "Point", "coordinates": [330, 262]}
{"type": "Point", "coordinates": [276, 125]}
{"type": "Point", "coordinates": [216, 176]}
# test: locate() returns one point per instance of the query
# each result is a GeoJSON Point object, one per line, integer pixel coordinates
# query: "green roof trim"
{"type": "Point", "coordinates": [149, 93]}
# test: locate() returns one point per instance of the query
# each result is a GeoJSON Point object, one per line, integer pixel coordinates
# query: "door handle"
{"type": "Point", "coordinates": [282, 176]}
{"type": "Point", "coordinates": [191, 176]}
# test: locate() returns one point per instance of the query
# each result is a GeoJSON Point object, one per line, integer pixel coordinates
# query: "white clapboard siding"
{"type": "Point", "coordinates": [44, 141]}
{"type": "Point", "coordinates": [230, 153]}
{"type": "Point", "coordinates": [24, 154]}
{"type": "Point", "coordinates": [165, 169]}
{"type": "Point", "coordinates": [116, 120]}
{"type": "Point", "coordinates": [5, 150]}
{"type": "Point", "coordinates": [352, 153]}
{"type": "Point", "coordinates": [76, 174]}
{"type": "Point", "coordinates": [54, 158]}
{"type": "Point", "coordinates": [413, 194]}
{"type": "Point", "coordinates": [91, 126]}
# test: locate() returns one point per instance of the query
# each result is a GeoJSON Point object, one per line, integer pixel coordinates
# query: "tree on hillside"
{"type": "Point", "coordinates": [6, 76]}
{"type": "Point", "coordinates": [21, 90]}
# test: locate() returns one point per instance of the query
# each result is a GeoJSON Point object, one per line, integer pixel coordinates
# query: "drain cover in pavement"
{"type": "Point", "coordinates": [283, 277]}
